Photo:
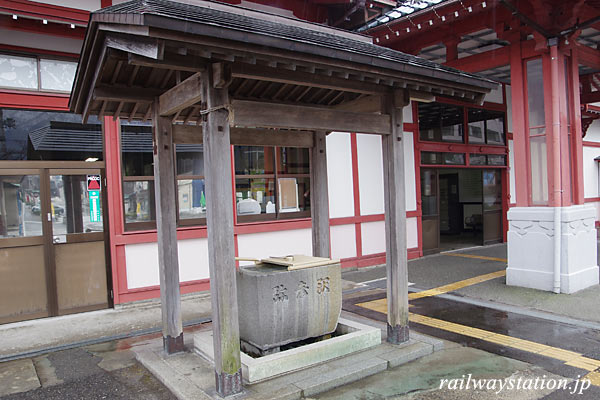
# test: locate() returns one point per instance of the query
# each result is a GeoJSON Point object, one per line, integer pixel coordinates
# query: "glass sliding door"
{"type": "Point", "coordinates": [430, 204]}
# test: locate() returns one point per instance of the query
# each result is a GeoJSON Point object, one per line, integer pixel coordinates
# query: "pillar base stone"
{"type": "Point", "coordinates": [173, 345]}
{"type": "Point", "coordinates": [227, 384]}
{"type": "Point", "coordinates": [531, 248]}
{"type": "Point", "coordinates": [397, 334]}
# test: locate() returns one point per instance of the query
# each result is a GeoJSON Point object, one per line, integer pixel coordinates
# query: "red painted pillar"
{"type": "Point", "coordinates": [112, 161]}
{"type": "Point", "coordinates": [517, 81]}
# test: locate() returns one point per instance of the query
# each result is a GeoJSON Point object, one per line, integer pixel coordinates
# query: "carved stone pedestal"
{"type": "Point", "coordinates": [531, 248]}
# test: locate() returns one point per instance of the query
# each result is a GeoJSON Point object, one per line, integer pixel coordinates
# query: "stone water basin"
{"type": "Point", "coordinates": [278, 306]}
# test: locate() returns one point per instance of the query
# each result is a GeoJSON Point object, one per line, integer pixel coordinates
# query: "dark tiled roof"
{"type": "Point", "coordinates": [320, 41]}
{"type": "Point", "coordinates": [69, 136]}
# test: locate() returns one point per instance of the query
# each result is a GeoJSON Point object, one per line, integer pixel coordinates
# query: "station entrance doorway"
{"type": "Point", "coordinates": [53, 239]}
{"type": "Point", "coordinates": [462, 207]}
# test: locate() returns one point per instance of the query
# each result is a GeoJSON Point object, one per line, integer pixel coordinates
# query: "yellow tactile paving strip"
{"type": "Point", "coordinates": [594, 378]}
{"type": "Point", "coordinates": [456, 285]}
{"type": "Point", "coordinates": [570, 358]}
{"type": "Point", "coordinates": [475, 256]}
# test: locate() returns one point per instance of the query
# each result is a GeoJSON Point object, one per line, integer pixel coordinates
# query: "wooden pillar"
{"type": "Point", "coordinates": [166, 225]}
{"type": "Point", "coordinates": [221, 252]}
{"type": "Point", "coordinates": [395, 221]}
{"type": "Point", "coordinates": [319, 198]}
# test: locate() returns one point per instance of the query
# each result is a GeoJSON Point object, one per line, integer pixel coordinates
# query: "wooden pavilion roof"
{"type": "Point", "coordinates": [138, 50]}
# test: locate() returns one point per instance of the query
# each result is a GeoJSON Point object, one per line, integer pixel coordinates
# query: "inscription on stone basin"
{"type": "Point", "coordinates": [277, 306]}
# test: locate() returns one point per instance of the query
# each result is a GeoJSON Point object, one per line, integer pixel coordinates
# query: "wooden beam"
{"type": "Point", "coordinates": [221, 75]}
{"type": "Point", "coordinates": [319, 199]}
{"type": "Point", "coordinates": [395, 222]}
{"type": "Point", "coordinates": [190, 134]}
{"type": "Point", "coordinates": [221, 251]}
{"type": "Point", "coordinates": [148, 47]}
{"type": "Point", "coordinates": [182, 96]}
{"type": "Point", "coordinates": [165, 192]}
{"type": "Point", "coordinates": [366, 104]}
{"type": "Point", "coordinates": [270, 115]}
{"type": "Point", "coordinates": [262, 73]}
{"type": "Point", "coordinates": [171, 61]}
{"type": "Point", "coordinates": [125, 94]}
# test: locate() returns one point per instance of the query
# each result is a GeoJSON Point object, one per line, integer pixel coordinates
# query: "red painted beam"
{"type": "Point", "coordinates": [37, 26]}
{"type": "Point", "coordinates": [592, 97]}
{"type": "Point", "coordinates": [482, 61]}
{"type": "Point", "coordinates": [589, 57]}
{"type": "Point", "coordinates": [34, 100]}
{"type": "Point", "coordinates": [44, 11]}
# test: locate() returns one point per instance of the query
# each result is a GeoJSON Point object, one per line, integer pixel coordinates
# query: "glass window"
{"type": "Point", "coordinates": [496, 159]}
{"type": "Point", "coordinates": [537, 131]}
{"type": "Point", "coordinates": [18, 72]}
{"type": "Point", "coordinates": [535, 93]}
{"type": "Point", "coordinates": [48, 135]}
{"type": "Point", "coordinates": [429, 192]}
{"type": "Point", "coordinates": [20, 209]}
{"type": "Point", "coordinates": [440, 122]}
{"type": "Point", "coordinates": [428, 157]}
{"type": "Point", "coordinates": [138, 201]}
{"type": "Point", "coordinates": [271, 183]}
{"type": "Point", "coordinates": [254, 160]}
{"type": "Point", "coordinates": [477, 159]}
{"type": "Point", "coordinates": [70, 206]}
{"type": "Point", "coordinates": [492, 190]}
{"type": "Point", "coordinates": [454, 158]}
{"type": "Point", "coordinates": [486, 126]}
{"type": "Point", "coordinates": [190, 182]}
{"type": "Point", "coordinates": [539, 181]}
{"type": "Point", "coordinates": [57, 75]}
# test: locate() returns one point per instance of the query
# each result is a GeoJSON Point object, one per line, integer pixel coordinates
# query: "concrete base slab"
{"type": "Point", "coordinates": [190, 376]}
{"type": "Point", "coordinates": [353, 337]}
{"type": "Point", "coordinates": [17, 377]}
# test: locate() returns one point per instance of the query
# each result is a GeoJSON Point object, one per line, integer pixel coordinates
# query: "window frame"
{"type": "Point", "coordinates": [38, 58]}
{"type": "Point", "coordinates": [279, 216]}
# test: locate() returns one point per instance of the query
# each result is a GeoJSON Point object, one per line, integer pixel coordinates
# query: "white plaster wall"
{"type": "Point", "coordinates": [339, 175]}
{"type": "Point", "coordinates": [412, 233]}
{"type": "Point", "coordinates": [89, 5]}
{"type": "Point", "coordinates": [370, 174]}
{"type": "Point", "coordinates": [495, 96]}
{"type": "Point", "coordinates": [267, 244]}
{"type": "Point", "coordinates": [596, 205]}
{"type": "Point", "coordinates": [590, 171]}
{"type": "Point", "coordinates": [593, 132]}
{"type": "Point", "coordinates": [511, 173]}
{"type": "Point", "coordinates": [141, 261]}
{"type": "Point", "coordinates": [509, 109]}
{"type": "Point", "coordinates": [343, 241]}
{"type": "Point", "coordinates": [407, 115]}
{"type": "Point", "coordinates": [373, 237]}
{"type": "Point", "coordinates": [39, 41]}
{"type": "Point", "coordinates": [409, 172]}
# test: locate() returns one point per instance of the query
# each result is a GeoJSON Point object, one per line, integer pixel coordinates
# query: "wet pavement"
{"type": "Point", "coordinates": [102, 371]}
{"type": "Point", "coordinates": [490, 331]}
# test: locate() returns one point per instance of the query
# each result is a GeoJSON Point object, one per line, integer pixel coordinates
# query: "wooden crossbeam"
{"type": "Point", "coordinates": [190, 134]}
{"type": "Point", "coordinates": [269, 115]}
{"type": "Point", "coordinates": [171, 61]}
{"type": "Point", "coordinates": [125, 94]}
{"type": "Point", "coordinates": [181, 96]}
{"type": "Point", "coordinates": [258, 72]}
{"type": "Point", "coordinates": [151, 48]}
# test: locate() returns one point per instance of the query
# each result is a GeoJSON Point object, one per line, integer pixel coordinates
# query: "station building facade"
{"type": "Point", "coordinates": [466, 165]}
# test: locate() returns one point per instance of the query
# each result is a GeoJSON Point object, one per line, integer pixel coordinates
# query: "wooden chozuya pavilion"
{"type": "Point", "coordinates": [224, 72]}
